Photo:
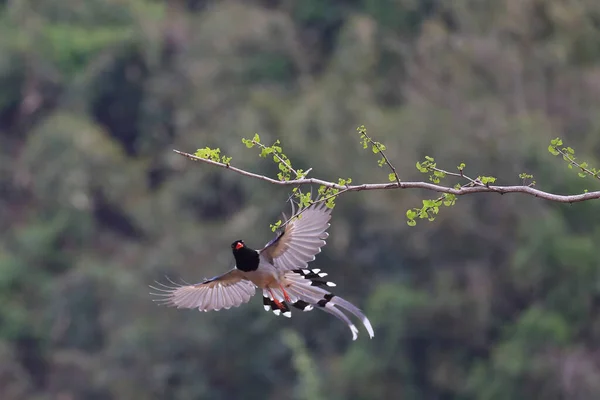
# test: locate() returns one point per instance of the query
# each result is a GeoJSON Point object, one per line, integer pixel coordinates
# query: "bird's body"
{"type": "Point", "coordinates": [279, 269]}
{"type": "Point", "coordinates": [267, 278]}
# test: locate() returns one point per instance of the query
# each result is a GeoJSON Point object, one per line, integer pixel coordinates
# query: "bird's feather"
{"type": "Point", "coordinates": [304, 286]}
{"type": "Point", "coordinates": [223, 291]}
{"type": "Point", "coordinates": [301, 239]}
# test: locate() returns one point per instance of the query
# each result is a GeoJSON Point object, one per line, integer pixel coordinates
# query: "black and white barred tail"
{"type": "Point", "coordinates": [307, 290]}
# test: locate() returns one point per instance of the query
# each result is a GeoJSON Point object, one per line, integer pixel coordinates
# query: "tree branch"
{"type": "Point", "coordinates": [472, 182]}
{"type": "Point", "coordinates": [571, 160]}
{"type": "Point", "coordinates": [284, 162]}
{"type": "Point", "coordinates": [406, 185]}
{"type": "Point", "coordinates": [381, 151]}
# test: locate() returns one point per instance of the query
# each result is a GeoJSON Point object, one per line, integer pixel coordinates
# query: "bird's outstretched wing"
{"type": "Point", "coordinates": [301, 240]}
{"type": "Point", "coordinates": [223, 291]}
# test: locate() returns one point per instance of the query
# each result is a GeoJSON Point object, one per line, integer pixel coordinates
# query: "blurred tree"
{"type": "Point", "coordinates": [497, 299]}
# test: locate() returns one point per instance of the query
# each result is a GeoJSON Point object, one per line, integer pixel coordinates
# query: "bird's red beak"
{"type": "Point", "coordinates": [239, 245]}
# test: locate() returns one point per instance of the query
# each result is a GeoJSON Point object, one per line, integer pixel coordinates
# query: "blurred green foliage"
{"type": "Point", "coordinates": [498, 298]}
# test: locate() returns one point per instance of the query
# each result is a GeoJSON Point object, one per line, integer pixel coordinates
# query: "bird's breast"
{"type": "Point", "coordinates": [262, 279]}
{"type": "Point", "coordinates": [264, 276]}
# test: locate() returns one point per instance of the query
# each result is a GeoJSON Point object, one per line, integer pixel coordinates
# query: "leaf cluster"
{"type": "Point", "coordinates": [376, 147]}
{"type": "Point", "coordinates": [286, 171]}
{"type": "Point", "coordinates": [429, 166]}
{"type": "Point", "coordinates": [325, 194]}
{"type": "Point", "coordinates": [430, 208]}
{"type": "Point", "coordinates": [212, 154]}
{"type": "Point", "coordinates": [556, 148]}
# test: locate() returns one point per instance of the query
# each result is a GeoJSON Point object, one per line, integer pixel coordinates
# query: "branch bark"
{"type": "Point", "coordinates": [575, 198]}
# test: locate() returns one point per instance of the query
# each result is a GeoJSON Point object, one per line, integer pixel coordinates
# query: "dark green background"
{"type": "Point", "coordinates": [499, 298]}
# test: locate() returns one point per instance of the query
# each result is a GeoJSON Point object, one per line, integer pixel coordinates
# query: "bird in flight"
{"type": "Point", "coordinates": [279, 269]}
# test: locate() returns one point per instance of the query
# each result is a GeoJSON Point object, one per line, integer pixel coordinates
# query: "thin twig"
{"type": "Point", "coordinates": [572, 161]}
{"type": "Point", "coordinates": [288, 165]}
{"type": "Point", "coordinates": [407, 185]}
{"type": "Point", "coordinates": [324, 199]}
{"type": "Point", "coordinates": [473, 182]}
{"type": "Point", "coordinates": [387, 161]}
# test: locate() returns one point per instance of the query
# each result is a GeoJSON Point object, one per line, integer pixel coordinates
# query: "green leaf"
{"type": "Point", "coordinates": [344, 182]}
{"type": "Point", "coordinates": [487, 179]}
{"type": "Point", "coordinates": [392, 177]}
{"type": "Point", "coordinates": [265, 151]}
{"type": "Point", "coordinates": [256, 138]}
{"type": "Point", "coordinates": [275, 226]}
{"type": "Point", "coordinates": [553, 150]}
{"type": "Point", "coordinates": [582, 175]}
{"type": "Point", "coordinates": [202, 153]}
{"type": "Point", "coordinates": [209, 154]}
{"type": "Point", "coordinates": [330, 203]}
{"type": "Point", "coordinates": [421, 168]}
{"type": "Point", "coordinates": [449, 200]}
{"type": "Point", "coordinates": [524, 175]}
{"type": "Point", "coordinates": [411, 222]}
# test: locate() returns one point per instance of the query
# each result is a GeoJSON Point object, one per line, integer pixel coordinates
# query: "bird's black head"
{"type": "Point", "coordinates": [246, 259]}
{"type": "Point", "coordinates": [238, 244]}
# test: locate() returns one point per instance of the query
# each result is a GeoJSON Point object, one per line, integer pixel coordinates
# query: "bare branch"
{"type": "Point", "coordinates": [575, 198]}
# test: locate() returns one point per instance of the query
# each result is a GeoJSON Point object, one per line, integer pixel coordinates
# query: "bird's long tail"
{"type": "Point", "coordinates": [306, 290]}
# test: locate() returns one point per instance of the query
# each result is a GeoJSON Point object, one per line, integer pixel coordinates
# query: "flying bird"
{"type": "Point", "coordinates": [279, 269]}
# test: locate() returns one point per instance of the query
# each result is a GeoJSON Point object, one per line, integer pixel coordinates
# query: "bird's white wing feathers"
{"type": "Point", "coordinates": [301, 240]}
{"type": "Point", "coordinates": [223, 291]}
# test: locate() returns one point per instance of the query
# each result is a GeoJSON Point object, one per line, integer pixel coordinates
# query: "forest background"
{"type": "Point", "coordinates": [498, 298]}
